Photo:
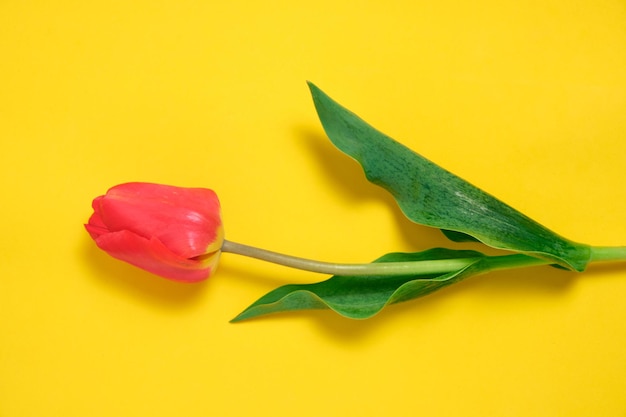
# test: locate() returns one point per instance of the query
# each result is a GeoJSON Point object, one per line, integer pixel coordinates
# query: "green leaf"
{"type": "Point", "coordinates": [363, 297]}
{"type": "Point", "coordinates": [430, 195]}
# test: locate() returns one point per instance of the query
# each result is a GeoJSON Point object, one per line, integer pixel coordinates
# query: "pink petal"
{"type": "Point", "coordinates": [153, 256]}
{"type": "Point", "coordinates": [186, 220]}
{"type": "Point", "coordinates": [96, 226]}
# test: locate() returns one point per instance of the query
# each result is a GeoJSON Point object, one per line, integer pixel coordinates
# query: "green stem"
{"type": "Point", "coordinates": [428, 267]}
{"type": "Point", "coordinates": [518, 260]}
{"type": "Point", "coordinates": [439, 266]}
{"type": "Point", "coordinates": [608, 253]}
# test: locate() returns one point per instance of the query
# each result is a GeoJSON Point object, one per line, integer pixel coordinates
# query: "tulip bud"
{"type": "Point", "coordinates": [170, 231]}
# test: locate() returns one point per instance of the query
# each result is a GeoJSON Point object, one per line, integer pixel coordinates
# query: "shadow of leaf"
{"type": "Point", "coordinates": [346, 176]}
{"type": "Point", "coordinates": [531, 283]}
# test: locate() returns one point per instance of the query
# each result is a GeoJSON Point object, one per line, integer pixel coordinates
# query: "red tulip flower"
{"type": "Point", "coordinates": [173, 232]}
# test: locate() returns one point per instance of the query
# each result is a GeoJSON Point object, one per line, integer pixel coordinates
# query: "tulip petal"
{"type": "Point", "coordinates": [153, 256]}
{"type": "Point", "coordinates": [186, 220]}
{"type": "Point", "coordinates": [96, 226]}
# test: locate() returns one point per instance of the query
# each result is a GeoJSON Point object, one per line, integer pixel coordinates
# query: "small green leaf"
{"type": "Point", "coordinates": [432, 196]}
{"type": "Point", "coordinates": [363, 297]}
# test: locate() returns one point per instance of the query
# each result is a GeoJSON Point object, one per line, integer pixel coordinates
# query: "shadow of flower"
{"type": "Point", "coordinates": [127, 280]}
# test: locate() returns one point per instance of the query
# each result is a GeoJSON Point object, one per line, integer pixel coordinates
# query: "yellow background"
{"type": "Point", "coordinates": [524, 99]}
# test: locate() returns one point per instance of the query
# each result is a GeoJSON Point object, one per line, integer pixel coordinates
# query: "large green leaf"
{"type": "Point", "coordinates": [363, 297]}
{"type": "Point", "coordinates": [432, 196]}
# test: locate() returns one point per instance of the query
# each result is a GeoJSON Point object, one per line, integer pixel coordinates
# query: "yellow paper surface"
{"type": "Point", "coordinates": [524, 99]}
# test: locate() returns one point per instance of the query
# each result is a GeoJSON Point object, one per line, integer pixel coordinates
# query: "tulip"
{"type": "Point", "coordinates": [173, 232]}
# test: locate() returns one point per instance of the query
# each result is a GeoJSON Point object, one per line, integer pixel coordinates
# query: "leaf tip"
{"type": "Point", "coordinates": [315, 90]}
{"type": "Point", "coordinates": [237, 319]}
